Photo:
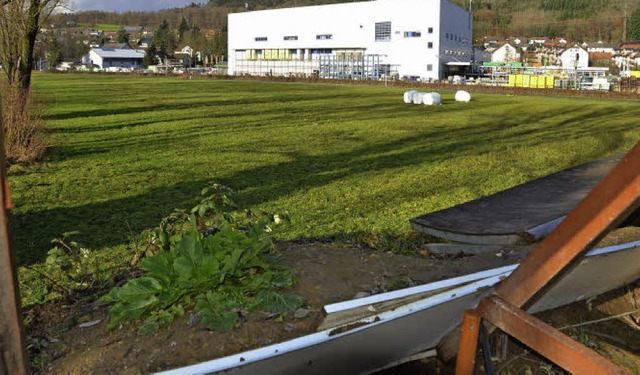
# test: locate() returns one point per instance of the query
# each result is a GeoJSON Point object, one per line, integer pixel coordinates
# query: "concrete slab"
{"type": "Point", "coordinates": [523, 214]}
{"type": "Point", "coordinates": [452, 248]}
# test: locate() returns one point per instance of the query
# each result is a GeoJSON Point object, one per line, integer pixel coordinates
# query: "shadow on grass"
{"type": "Point", "coordinates": [100, 224]}
{"type": "Point", "coordinates": [112, 223]}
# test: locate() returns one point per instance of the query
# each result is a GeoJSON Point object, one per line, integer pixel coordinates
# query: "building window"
{"type": "Point", "coordinates": [324, 36]}
{"type": "Point", "coordinates": [383, 31]}
{"type": "Point", "coordinates": [412, 34]}
{"type": "Point", "coordinates": [429, 67]}
{"type": "Point", "coordinates": [261, 39]}
{"type": "Point", "coordinates": [430, 30]}
{"type": "Point", "coordinates": [322, 51]}
{"type": "Point", "coordinates": [430, 45]}
{"type": "Point", "coordinates": [291, 37]}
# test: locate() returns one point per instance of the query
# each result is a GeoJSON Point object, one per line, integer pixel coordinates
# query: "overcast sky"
{"type": "Point", "coordinates": [124, 5]}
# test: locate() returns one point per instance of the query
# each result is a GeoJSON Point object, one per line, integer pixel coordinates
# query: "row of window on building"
{"type": "Point", "coordinates": [382, 33]}
{"type": "Point", "coordinates": [455, 38]}
{"type": "Point", "coordinates": [295, 37]}
{"type": "Point", "coordinates": [299, 54]}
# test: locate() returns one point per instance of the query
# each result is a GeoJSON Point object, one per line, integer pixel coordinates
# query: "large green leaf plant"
{"type": "Point", "coordinates": [215, 259]}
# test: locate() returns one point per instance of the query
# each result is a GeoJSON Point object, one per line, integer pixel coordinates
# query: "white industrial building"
{"type": "Point", "coordinates": [371, 39]}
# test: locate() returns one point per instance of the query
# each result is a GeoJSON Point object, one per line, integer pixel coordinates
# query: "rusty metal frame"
{"type": "Point", "coordinates": [546, 340]}
{"type": "Point", "coordinates": [13, 352]}
{"type": "Point", "coordinates": [606, 206]}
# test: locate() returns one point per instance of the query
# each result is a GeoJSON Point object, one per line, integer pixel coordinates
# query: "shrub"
{"type": "Point", "coordinates": [216, 256]}
{"type": "Point", "coordinates": [23, 126]}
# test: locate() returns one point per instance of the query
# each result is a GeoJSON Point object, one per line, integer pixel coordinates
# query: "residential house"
{"type": "Point", "coordinates": [601, 47]}
{"type": "Point", "coordinates": [506, 54]}
{"type": "Point", "coordinates": [531, 58]}
{"type": "Point", "coordinates": [145, 42]}
{"type": "Point", "coordinates": [600, 59]}
{"type": "Point", "coordinates": [575, 57]}
{"type": "Point", "coordinates": [627, 56]}
{"type": "Point", "coordinates": [105, 58]}
{"type": "Point", "coordinates": [187, 55]}
{"type": "Point", "coordinates": [111, 36]}
{"type": "Point", "coordinates": [537, 40]}
{"type": "Point", "coordinates": [633, 47]}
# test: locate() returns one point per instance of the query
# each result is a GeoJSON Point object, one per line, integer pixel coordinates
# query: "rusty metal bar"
{"type": "Point", "coordinates": [466, 360]}
{"type": "Point", "coordinates": [13, 352]}
{"type": "Point", "coordinates": [546, 340]}
{"type": "Point", "coordinates": [608, 204]}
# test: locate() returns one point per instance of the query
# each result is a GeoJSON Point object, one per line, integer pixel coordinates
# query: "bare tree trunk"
{"type": "Point", "coordinates": [28, 43]}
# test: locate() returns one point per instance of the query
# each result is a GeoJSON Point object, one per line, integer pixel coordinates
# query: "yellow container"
{"type": "Point", "coordinates": [526, 81]}
{"type": "Point", "coordinates": [635, 73]}
{"type": "Point", "coordinates": [543, 82]}
{"type": "Point", "coordinates": [518, 80]}
{"type": "Point", "coordinates": [551, 82]}
{"type": "Point", "coordinates": [512, 80]}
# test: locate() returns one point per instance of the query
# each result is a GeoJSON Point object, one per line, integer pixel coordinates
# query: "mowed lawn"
{"type": "Point", "coordinates": [348, 162]}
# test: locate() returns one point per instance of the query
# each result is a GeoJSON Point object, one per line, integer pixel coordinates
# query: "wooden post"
{"type": "Point", "coordinates": [466, 360]}
{"type": "Point", "coordinates": [13, 350]}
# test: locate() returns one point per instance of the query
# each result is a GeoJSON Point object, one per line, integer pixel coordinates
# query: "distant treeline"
{"type": "Point", "coordinates": [578, 20]}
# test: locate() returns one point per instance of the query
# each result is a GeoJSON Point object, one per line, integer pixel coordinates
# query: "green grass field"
{"type": "Point", "coordinates": [348, 162]}
{"type": "Point", "coordinates": [105, 27]}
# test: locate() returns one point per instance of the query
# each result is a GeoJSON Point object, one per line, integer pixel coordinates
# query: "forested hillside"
{"type": "Point", "coordinates": [578, 20]}
{"type": "Point", "coordinates": [588, 20]}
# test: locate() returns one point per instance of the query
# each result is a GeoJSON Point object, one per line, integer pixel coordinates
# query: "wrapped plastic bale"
{"type": "Point", "coordinates": [408, 96]}
{"type": "Point", "coordinates": [417, 97]}
{"type": "Point", "coordinates": [432, 98]}
{"type": "Point", "coordinates": [463, 96]}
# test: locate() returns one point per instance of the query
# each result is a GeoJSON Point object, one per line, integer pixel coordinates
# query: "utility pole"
{"type": "Point", "coordinates": [13, 350]}
{"type": "Point", "coordinates": [472, 57]}
{"type": "Point", "coordinates": [624, 22]}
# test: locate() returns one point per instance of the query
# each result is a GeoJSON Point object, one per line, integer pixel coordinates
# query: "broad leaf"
{"type": "Point", "coordinates": [275, 302]}
{"type": "Point", "coordinates": [130, 310]}
{"type": "Point", "coordinates": [217, 311]}
{"type": "Point", "coordinates": [159, 267]}
{"type": "Point", "coordinates": [139, 289]}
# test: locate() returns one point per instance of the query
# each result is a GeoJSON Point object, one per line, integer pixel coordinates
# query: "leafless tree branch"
{"type": "Point", "coordinates": [20, 23]}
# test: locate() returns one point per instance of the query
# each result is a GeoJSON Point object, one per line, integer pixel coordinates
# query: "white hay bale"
{"type": "Point", "coordinates": [417, 97]}
{"type": "Point", "coordinates": [408, 96]}
{"type": "Point", "coordinates": [463, 96]}
{"type": "Point", "coordinates": [432, 98]}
